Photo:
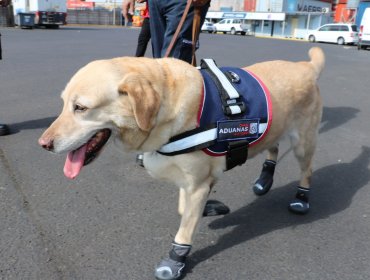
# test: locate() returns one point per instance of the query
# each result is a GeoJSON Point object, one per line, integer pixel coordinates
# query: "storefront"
{"type": "Point", "coordinates": [293, 20]}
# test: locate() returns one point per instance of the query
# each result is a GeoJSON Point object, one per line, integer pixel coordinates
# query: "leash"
{"type": "Point", "coordinates": [196, 24]}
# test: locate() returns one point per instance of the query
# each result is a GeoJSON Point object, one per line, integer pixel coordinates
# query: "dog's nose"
{"type": "Point", "coordinates": [46, 143]}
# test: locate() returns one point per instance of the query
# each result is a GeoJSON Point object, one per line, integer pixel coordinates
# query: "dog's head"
{"type": "Point", "coordinates": [102, 99]}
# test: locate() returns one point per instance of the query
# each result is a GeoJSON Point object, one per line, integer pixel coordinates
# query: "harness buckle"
{"type": "Point", "coordinates": [234, 107]}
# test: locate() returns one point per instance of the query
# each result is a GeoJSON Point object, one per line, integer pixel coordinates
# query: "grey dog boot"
{"type": "Point", "coordinates": [170, 268]}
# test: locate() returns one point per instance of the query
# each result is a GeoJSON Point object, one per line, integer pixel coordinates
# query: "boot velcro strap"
{"type": "Point", "coordinates": [176, 257]}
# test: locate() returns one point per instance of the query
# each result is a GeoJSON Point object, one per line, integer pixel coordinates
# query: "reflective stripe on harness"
{"type": "Point", "coordinates": [193, 140]}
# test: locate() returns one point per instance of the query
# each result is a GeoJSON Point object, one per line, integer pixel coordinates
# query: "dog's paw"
{"type": "Point", "coordinates": [169, 270]}
{"type": "Point", "coordinates": [215, 208]}
{"type": "Point", "coordinates": [298, 206]}
{"type": "Point", "coordinates": [262, 186]}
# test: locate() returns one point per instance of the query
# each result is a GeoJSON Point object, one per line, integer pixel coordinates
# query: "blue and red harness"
{"type": "Point", "coordinates": [235, 113]}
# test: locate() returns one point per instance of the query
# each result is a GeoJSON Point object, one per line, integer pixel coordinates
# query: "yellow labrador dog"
{"type": "Point", "coordinates": [145, 102]}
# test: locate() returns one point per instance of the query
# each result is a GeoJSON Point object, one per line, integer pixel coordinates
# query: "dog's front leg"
{"type": "Point", "coordinates": [192, 201]}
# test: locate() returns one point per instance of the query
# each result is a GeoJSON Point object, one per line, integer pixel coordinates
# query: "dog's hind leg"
{"type": "Point", "coordinates": [193, 200]}
{"type": "Point", "coordinates": [304, 149]}
{"type": "Point", "coordinates": [266, 178]}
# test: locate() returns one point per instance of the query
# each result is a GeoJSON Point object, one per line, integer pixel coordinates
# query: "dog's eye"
{"type": "Point", "coordinates": [79, 108]}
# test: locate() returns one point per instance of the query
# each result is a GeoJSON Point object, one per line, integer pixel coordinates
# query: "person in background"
{"type": "Point", "coordinates": [165, 16]}
{"type": "Point", "coordinates": [4, 129]}
{"type": "Point", "coordinates": [144, 35]}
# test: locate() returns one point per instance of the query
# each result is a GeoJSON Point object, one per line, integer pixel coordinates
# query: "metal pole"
{"type": "Point", "coordinates": [114, 12]}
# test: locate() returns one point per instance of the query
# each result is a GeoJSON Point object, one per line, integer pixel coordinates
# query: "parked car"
{"type": "Point", "coordinates": [340, 33]}
{"type": "Point", "coordinates": [209, 27]}
{"type": "Point", "coordinates": [233, 26]}
{"type": "Point", "coordinates": [364, 33]}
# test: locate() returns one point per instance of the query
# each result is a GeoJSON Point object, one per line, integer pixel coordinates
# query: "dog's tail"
{"type": "Point", "coordinates": [317, 59]}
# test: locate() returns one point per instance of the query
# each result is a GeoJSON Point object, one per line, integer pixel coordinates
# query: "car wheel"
{"type": "Point", "coordinates": [340, 41]}
{"type": "Point", "coordinates": [311, 38]}
{"type": "Point", "coordinates": [233, 31]}
{"type": "Point", "coordinates": [224, 32]}
{"type": "Point", "coordinates": [243, 33]}
{"type": "Point", "coordinates": [210, 32]}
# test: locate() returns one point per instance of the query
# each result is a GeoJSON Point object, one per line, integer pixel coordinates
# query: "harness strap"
{"type": "Point", "coordinates": [230, 98]}
{"type": "Point", "coordinates": [189, 141]}
{"type": "Point", "coordinates": [193, 140]}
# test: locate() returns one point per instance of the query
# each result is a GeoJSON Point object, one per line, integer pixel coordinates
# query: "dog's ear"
{"type": "Point", "coordinates": [145, 101]}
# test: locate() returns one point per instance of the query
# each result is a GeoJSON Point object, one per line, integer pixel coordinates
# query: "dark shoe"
{"type": "Point", "coordinates": [215, 208]}
{"type": "Point", "coordinates": [4, 130]}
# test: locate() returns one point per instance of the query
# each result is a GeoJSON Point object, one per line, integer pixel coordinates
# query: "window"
{"type": "Point", "coordinates": [354, 28]}
{"type": "Point", "coordinates": [343, 28]}
{"type": "Point", "coordinates": [334, 28]}
{"type": "Point", "coordinates": [324, 28]}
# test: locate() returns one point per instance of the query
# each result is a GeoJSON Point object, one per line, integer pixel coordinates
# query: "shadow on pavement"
{"type": "Point", "coordinates": [31, 124]}
{"type": "Point", "coordinates": [334, 188]}
{"type": "Point", "coordinates": [333, 117]}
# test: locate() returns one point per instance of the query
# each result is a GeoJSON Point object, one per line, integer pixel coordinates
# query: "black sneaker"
{"type": "Point", "coordinates": [4, 130]}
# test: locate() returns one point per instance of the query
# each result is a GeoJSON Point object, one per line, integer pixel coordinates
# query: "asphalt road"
{"type": "Point", "coordinates": [116, 222]}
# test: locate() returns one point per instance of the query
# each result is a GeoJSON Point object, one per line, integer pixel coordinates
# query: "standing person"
{"type": "Point", "coordinates": [144, 35]}
{"type": "Point", "coordinates": [165, 16]}
{"type": "Point", "coordinates": [4, 129]}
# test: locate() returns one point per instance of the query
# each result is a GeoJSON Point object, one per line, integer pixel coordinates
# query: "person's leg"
{"type": "Point", "coordinates": [4, 129]}
{"type": "Point", "coordinates": [183, 46]}
{"type": "Point", "coordinates": [157, 26]}
{"type": "Point", "coordinates": [143, 38]}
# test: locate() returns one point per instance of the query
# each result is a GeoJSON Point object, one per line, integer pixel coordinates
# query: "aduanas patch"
{"type": "Point", "coordinates": [232, 130]}
{"type": "Point", "coordinates": [252, 125]}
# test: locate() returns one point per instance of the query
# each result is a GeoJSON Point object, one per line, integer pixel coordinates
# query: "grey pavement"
{"type": "Point", "coordinates": [115, 222]}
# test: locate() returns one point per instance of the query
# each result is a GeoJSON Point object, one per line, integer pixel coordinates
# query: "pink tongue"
{"type": "Point", "coordinates": [74, 162]}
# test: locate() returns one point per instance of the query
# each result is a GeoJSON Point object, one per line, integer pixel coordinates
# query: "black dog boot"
{"type": "Point", "coordinates": [215, 208]}
{"type": "Point", "coordinates": [264, 182]}
{"type": "Point", "coordinates": [170, 268]}
{"type": "Point", "coordinates": [4, 130]}
{"type": "Point", "coordinates": [140, 160]}
{"type": "Point", "coordinates": [300, 204]}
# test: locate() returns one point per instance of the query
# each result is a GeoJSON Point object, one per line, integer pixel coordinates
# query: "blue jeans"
{"type": "Point", "coordinates": [165, 16]}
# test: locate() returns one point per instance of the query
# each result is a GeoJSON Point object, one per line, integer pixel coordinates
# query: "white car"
{"type": "Point", "coordinates": [233, 26]}
{"type": "Point", "coordinates": [209, 27]}
{"type": "Point", "coordinates": [340, 33]}
{"type": "Point", "coordinates": [364, 33]}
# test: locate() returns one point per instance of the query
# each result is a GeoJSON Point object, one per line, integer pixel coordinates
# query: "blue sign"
{"type": "Point", "coordinates": [234, 15]}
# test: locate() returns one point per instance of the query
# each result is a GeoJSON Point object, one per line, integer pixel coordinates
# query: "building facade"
{"type": "Point", "coordinates": [277, 18]}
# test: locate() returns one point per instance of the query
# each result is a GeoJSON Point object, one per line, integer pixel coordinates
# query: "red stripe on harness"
{"type": "Point", "coordinates": [269, 106]}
